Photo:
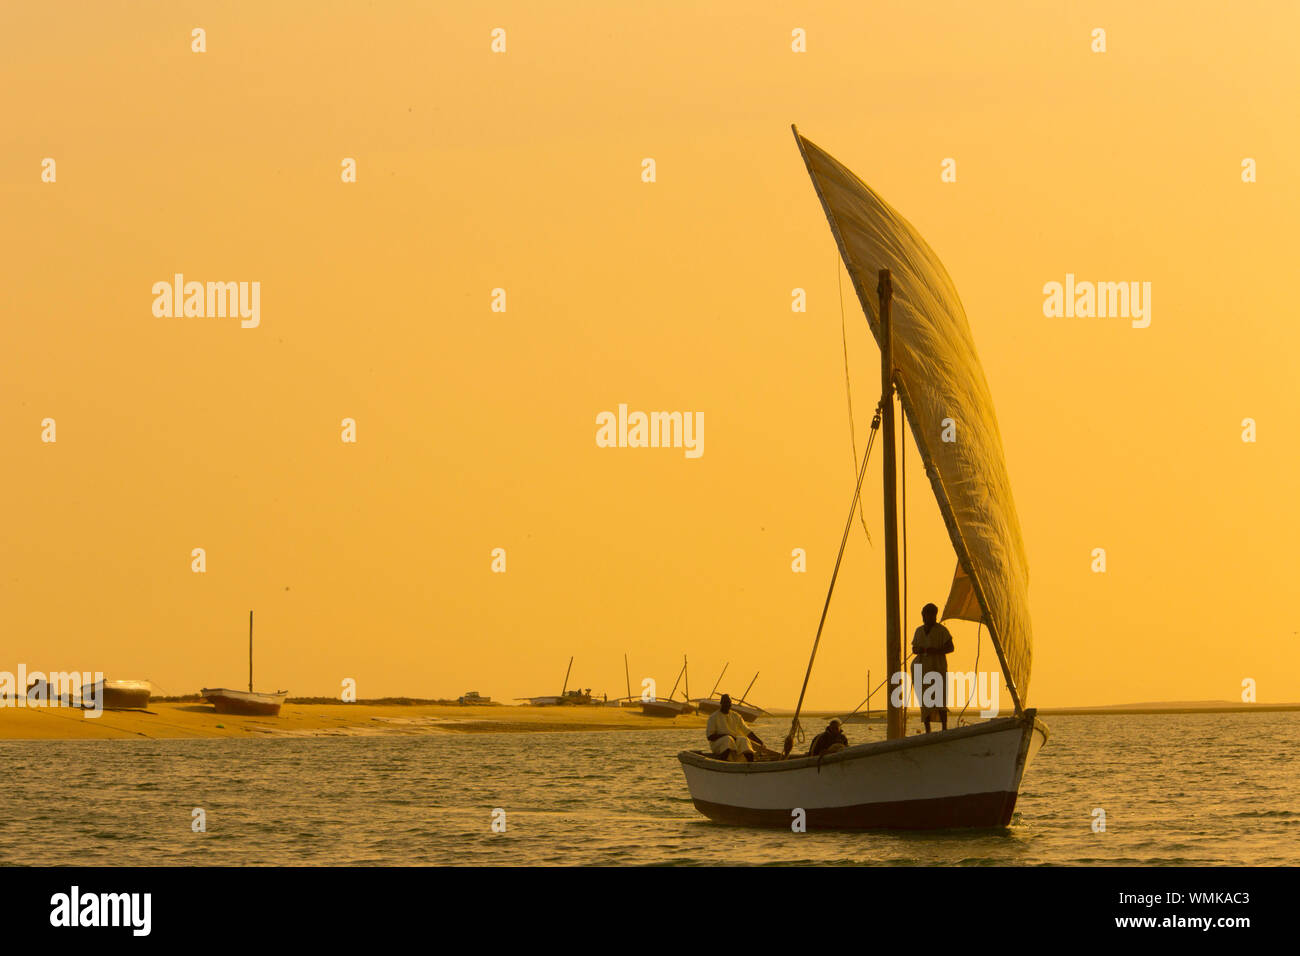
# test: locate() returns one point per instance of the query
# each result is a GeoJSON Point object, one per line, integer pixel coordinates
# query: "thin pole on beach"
{"type": "Point", "coordinates": [679, 679]}
{"type": "Point", "coordinates": [719, 680]}
{"type": "Point", "coordinates": [250, 652]}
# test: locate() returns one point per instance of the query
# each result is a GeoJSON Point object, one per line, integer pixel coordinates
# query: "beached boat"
{"type": "Point", "coordinates": [119, 694]}
{"type": "Point", "coordinates": [748, 712]}
{"type": "Point", "coordinates": [565, 696]}
{"type": "Point", "coordinates": [568, 697]}
{"type": "Point", "coordinates": [248, 703]}
{"type": "Point", "coordinates": [965, 776]}
{"type": "Point", "coordinates": [666, 706]}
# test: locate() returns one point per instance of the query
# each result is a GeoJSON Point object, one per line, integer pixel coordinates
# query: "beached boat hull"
{"type": "Point", "coordinates": [119, 694]}
{"type": "Point", "coordinates": [242, 702]}
{"type": "Point", "coordinates": [665, 708]}
{"type": "Point", "coordinates": [965, 777]}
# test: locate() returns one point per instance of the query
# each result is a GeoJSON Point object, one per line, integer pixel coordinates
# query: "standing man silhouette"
{"type": "Point", "coordinates": [932, 643]}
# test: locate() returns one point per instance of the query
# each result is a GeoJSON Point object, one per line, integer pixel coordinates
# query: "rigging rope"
{"type": "Point", "coordinates": [848, 384]}
{"type": "Point", "coordinates": [902, 459]}
{"type": "Point", "coordinates": [979, 631]}
{"type": "Point", "coordinates": [795, 728]}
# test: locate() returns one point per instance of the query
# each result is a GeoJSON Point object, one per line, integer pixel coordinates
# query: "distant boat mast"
{"type": "Point", "coordinates": [719, 680]}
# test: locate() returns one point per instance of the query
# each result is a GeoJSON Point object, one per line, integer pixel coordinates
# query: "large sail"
{"type": "Point", "coordinates": [944, 395]}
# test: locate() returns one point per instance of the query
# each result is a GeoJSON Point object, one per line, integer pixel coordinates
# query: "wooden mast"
{"type": "Point", "coordinates": [566, 678]}
{"type": "Point", "coordinates": [679, 678]}
{"type": "Point", "coordinates": [250, 652]}
{"type": "Point", "coordinates": [627, 676]}
{"type": "Point", "coordinates": [745, 695]}
{"type": "Point", "coordinates": [719, 680]}
{"type": "Point", "coordinates": [893, 627]}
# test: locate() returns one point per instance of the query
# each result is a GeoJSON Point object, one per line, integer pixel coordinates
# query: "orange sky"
{"type": "Point", "coordinates": [476, 429]}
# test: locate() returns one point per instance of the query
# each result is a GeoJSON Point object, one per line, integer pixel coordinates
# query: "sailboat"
{"type": "Point", "coordinates": [966, 776]}
{"type": "Point", "coordinates": [666, 706]}
{"type": "Point", "coordinates": [749, 712]}
{"type": "Point", "coordinates": [248, 703]}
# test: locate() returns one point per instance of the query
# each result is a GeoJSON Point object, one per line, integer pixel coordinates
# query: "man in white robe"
{"type": "Point", "coordinates": [729, 735]}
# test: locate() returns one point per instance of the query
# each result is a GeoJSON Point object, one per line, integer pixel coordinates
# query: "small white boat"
{"type": "Point", "coordinates": [965, 777]}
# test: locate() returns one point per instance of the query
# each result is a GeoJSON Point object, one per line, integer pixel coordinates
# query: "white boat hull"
{"type": "Point", "coordinates": [965, 777]}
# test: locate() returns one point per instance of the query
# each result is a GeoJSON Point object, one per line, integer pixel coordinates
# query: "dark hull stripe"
{"type": "Point", "coordinates": [982, 810]}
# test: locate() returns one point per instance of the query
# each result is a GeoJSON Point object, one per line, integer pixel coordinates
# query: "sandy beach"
{"type": "Point", "coordinates": [194, 719]}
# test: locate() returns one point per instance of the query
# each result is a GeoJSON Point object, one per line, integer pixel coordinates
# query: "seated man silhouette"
{"type": "Point", "coordinates": [729, 735]}
{"type": "Point", "coordinates": [829, 741]}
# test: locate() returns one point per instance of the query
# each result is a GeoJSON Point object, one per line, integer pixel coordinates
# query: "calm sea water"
{"type": "Point", "coordinates": [1176, 790]}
